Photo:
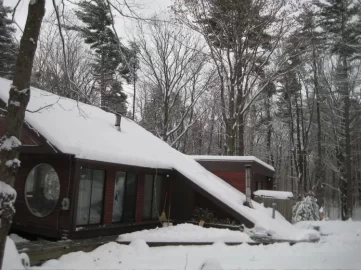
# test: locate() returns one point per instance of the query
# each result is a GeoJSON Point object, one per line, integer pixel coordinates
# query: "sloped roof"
{"type": "Point", "coordinates": [89, 133]}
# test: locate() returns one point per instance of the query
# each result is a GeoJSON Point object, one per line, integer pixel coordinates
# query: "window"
{"type": "Point", "coordinates": [118, 196]}
{"type": "Point", "coordinates": [153, 186]}
{"type": "Point", "coordinates": [91, 197]}
{"type": "Point", "coordinates": [125, 196]}
{"type": "Point", "coordinates": [42, 190]}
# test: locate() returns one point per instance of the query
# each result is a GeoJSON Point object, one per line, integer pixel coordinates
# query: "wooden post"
{"type": "Point", "coordinates": [248, 186]}
{"type": "Point", "coordinates": [273, 210]}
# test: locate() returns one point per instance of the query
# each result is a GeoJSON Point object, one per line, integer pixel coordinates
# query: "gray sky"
{"type": "Point", "coordinates": [124, 26]}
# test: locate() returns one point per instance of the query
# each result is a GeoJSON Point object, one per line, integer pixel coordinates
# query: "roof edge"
{"type": "Point", "coordinates": [232, 158]}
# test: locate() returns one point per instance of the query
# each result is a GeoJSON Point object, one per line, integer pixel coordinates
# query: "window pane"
{"type": "Point", "coordinates": [84, 197]}
{"type": "Point", "coordinates": [42, 190]}
{"type": "Point", "coordinates": [148, 191]}
{"type": "Point", "coordinates": [118, 196]}
{"type": "Point", "coordinates": [130, 197]}
{"type": "Point", "coordinates": [96, 203]}
{"type": "Point", "coordinates": [157, 197]}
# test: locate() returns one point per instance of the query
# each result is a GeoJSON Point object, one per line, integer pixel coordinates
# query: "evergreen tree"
{"type": "Point", "coordinates": [111, 56]}
{"type": "Point", "coordinates": [305, 210]}
{"type": "Point", "coordinates": [8, 47]}
{"type": "Point", "coordinates": [341, 23]}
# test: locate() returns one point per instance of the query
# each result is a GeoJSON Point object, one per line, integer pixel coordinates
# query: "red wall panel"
{"type": "Point", "coordinates": [140, 198]}
{"type": "Point", "coordinates": [109, 197]}
{"type": "Point", "coordinates": [236, 179]}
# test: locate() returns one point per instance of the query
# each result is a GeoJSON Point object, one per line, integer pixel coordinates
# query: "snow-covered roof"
{"type": "Point", "coordinates": [283, 195]}
{"type": "Point", "coordinates": [232, 158]}
{"type": "Point", "coordinates": [89, 133]}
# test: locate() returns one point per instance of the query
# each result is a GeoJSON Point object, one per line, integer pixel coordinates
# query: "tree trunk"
{"type": "Point", "coordinates": [269, 127]}
{"type": "Point", "coordinates": [347, 139]}
{"type": "Point", "coordinates": [319, 168]}
{"type": "Point", "coordinates": [134, 92]}
{"type": "Point", "coordinates": [299, 150]}
{"type": "Point", "coordinates": [18, 101]}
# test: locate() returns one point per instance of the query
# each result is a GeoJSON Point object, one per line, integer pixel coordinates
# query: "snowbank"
{"type": "Point", "coordinates": [186, 233]}
{"type": "Point", "coordinates": [18, 239]}
{"type": "Point", "coordinates": [89, 133]}
{"type": "Point", "coordinates": [282, 195]}
{"type": "Point", "coordinates": [327, 254]}
{"type": "Point", "coordinates": [12, 259]}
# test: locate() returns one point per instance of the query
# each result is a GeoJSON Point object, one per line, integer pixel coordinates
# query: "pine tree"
{"type": "Point", "coordinates": [307, 209]}
{"type": "Point", "coordinates": [111, 55]}
{"type": "Point", "coordinates": [8, 47]}
{"type": "Point", "coordinates": [341, 22]}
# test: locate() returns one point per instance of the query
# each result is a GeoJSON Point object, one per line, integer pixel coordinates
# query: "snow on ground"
{"type": "Point", "coordinates": [18, 239]}
{"type": "Point", "coordinates": [340, 249]}
{"type": "Point", "coordinates": [186, 233]}
{"type": "Point", "coordinates": [12, 259]}
{"type": "Point", "coordinates": [133, 145]}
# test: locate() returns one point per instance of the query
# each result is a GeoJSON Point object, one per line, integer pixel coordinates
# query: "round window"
{"type": "Point", "coordinates": [42, 189]}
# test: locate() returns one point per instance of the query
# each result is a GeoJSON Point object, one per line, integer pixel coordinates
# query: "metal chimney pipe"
{"type": "Point", "coordinates": [248, 186]}
{"type": "Point", "coordinates": [118, 119]}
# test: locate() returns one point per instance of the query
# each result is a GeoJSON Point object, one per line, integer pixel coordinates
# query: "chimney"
{"type": "Point", "coordinates": [248, 201]}
{"type": "Point", "coordinates": [118, 119]}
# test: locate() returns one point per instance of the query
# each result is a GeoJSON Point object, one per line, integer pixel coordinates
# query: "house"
{"type": "Point", "coordinates": [84, 174]}
{"type": "Point", "coordinates": [232, 170]}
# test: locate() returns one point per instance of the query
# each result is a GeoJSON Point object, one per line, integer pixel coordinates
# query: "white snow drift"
{"type": "Point", "coordinates": [186, 233]}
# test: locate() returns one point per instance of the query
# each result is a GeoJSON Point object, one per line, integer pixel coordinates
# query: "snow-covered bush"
{"type": "Point", "coordinates": [307, 209]}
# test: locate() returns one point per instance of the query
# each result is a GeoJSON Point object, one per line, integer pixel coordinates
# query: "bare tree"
{"type": "Point", "coordinates": [175, 70]}
{"type": "Point", "coordinates": [50, 71]}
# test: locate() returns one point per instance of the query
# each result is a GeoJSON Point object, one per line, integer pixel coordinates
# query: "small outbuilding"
{"type": "Point", "coordinates": [232, 169]}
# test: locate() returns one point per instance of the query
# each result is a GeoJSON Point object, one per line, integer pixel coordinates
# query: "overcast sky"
{"type": "Point", "coordinates": [145, 8]}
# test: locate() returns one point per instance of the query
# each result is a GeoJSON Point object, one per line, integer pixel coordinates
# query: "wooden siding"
{"type": "Point", "coordinates": [109, 196]}
{"type": "Point", "coordinates": [235, 166]}
{"type": "Point", "coordinates": [140, 198]}
{"type": "Point", "coordinates": [235, 179]}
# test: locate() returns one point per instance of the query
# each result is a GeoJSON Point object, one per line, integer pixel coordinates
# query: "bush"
{"type": "Point", "coordinates": [307, 209]}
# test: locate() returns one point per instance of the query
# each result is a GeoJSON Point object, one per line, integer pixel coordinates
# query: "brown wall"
{"type": "Point", "coordinates": [236, 179]}
{"type": "Point", "coordinates": [56, 223]}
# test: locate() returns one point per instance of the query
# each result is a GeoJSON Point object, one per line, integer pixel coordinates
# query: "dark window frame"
{"type": "Point", "coordinates": [101, 222]}
{"type": "Point", "coordinates": [134, 203]}
{"type": "Point", "coordinates": [29, 207]}
{"type": "Point", "coordinates": [152, 193]}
